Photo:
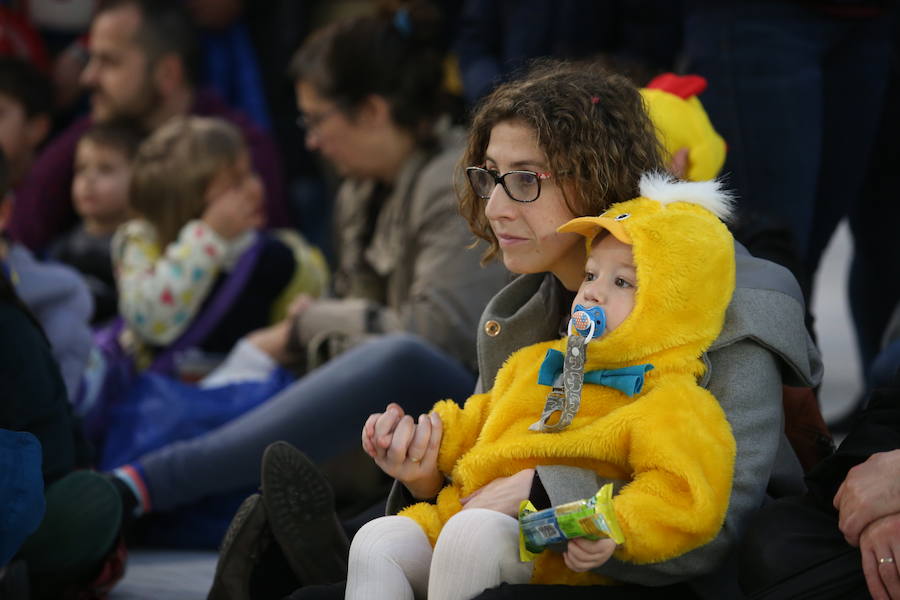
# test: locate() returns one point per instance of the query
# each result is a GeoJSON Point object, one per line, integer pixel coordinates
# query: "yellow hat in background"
{"type": "Point", "coordinates": [681, 122]}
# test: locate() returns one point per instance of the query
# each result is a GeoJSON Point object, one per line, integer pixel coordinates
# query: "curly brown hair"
{"type": "Point", "coordinates": [590, 124]}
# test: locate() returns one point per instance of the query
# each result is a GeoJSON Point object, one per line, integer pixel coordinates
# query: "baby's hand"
{"type": "Point", "coordinates": [406, 450]}
{"type": "Point", "coordinates": [584, 554]}
{"type": "Point", "coordinates": [378, 431]}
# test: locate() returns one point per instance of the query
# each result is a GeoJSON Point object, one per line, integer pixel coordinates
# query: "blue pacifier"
{"type": "Point", "coordinates": [588, 322]}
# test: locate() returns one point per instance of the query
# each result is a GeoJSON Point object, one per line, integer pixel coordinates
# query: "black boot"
{"type": "Point", "coordinates": [246, 541]}
{"type": "Point", "coordinates": [300, 508]}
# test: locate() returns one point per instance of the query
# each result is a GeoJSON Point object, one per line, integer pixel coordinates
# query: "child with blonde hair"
{"type": "Point", "coordinates": [195, 279]}
{"type": "Point", "coordinates": [199, 204]}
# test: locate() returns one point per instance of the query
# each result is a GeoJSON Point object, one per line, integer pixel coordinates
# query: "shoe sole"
{"type": "Point", "coordinates": [244, 542]}
{"type": "Point", "coordinates": [300, 507]}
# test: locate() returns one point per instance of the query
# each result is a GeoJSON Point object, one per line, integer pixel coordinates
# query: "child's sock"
{"type": "Point", "coordinates": [130, 482]}
{"type": "Point", "coordinates": [245, 362]}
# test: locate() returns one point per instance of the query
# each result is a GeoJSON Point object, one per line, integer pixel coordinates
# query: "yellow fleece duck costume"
{"type": "Point", "coordinates": [671, 441]}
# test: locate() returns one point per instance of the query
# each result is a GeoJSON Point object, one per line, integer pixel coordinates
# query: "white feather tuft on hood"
{"type": "Point", "coordinates": [711, 194]}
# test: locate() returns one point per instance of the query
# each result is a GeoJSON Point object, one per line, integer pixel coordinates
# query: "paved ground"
{"type": "Point", "coordinates": [166, 575]}
{"type": "Point", "coordinates": [154, 575]}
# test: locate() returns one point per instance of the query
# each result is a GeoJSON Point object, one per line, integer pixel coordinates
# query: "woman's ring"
{"type": "Point", "coordinates": [886, 560]}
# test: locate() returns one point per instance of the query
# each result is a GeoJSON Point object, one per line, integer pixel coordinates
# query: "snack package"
{"type": "Point", "coordinates": [592, 518]}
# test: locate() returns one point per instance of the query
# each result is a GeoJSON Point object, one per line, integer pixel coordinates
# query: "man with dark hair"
{"type": "Point", "coordinates": [143, 66]}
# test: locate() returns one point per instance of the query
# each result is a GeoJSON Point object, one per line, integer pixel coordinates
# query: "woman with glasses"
{"type": "Point", "coordinates": [566, 141]}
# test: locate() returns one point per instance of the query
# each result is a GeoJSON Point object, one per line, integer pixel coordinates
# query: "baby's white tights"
{"type": "Point", "coordinates": [390, 558]}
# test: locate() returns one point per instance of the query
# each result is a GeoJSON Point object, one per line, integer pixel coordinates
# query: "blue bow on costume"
{"type": "Point", "coordinates": [628, 380]}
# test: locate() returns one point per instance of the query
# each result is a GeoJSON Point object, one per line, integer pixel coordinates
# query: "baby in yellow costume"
{"type": "Point", "coordinates": [662, 268]}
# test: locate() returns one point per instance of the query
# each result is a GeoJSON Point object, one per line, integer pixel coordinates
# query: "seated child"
{"type": "Point", "coordinates": [100, 196]}
{"type": "Point", "coordinates": [622, 401]}
{"type": "Point", "coordinates": [200, 203]}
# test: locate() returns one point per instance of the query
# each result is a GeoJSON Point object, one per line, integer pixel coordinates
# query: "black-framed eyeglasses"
{"type": "Point", "coordinates": [521, 186]}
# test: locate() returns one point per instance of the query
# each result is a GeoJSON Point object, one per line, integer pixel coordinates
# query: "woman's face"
{"type": "Point", "coordinates": [527, 232]}
{"type": "Point", "coordinates": [344, 142]}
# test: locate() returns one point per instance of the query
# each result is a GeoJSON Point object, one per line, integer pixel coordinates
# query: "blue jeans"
{"type": "Point", "coordinates": [798, 97]}
{"type": "Point", "coordinates": [322, 414]}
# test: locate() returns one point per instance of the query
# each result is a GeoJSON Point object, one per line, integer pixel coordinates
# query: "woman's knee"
{"type": "Point", "coordinates": [425, 369]}
{"type": "Point", "coordinates": [401, 348]}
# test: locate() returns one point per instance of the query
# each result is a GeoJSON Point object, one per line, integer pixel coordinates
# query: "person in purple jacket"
{"type": "Point", "coordinates": [142, 66]}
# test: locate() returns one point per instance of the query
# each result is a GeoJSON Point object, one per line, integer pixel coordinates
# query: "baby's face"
{"type": "Point", "coordinates": [610, 280]}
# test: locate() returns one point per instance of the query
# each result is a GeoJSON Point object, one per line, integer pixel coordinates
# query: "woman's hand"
{"type": "Point", "coordinates": [405, 450]}
{"type": "Point", "coordinates": [273, 341]}
{"type": "Point", "coordinates": [299, 305]}
{"type": "Point", "coordinates": [504, 494]}
{"type": "Point", "coordinates": [881, 540]}
{"type": "Point", "coordinates": [870, 491]}
{"type": "Point", "coordinates": [583, 554]}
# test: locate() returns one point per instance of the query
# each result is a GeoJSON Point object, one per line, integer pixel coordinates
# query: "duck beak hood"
{"type": "Point", "coordinates": [684, 258]}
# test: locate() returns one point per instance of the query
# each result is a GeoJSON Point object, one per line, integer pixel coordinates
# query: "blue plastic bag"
{"type": "Point", "coordinates": [158, 410]}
